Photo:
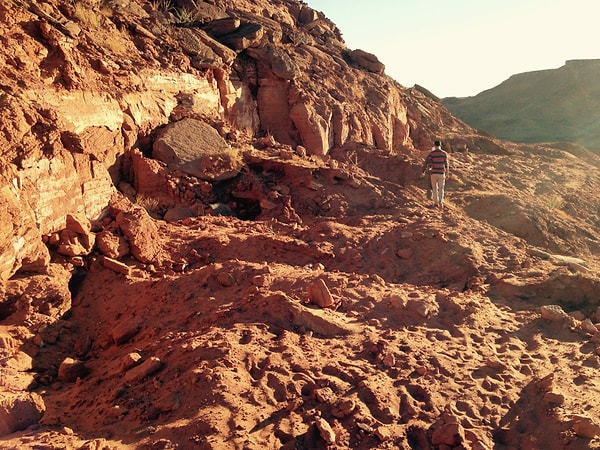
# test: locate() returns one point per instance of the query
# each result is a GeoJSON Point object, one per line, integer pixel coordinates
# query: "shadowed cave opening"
{"type": "Point", "coordinates": [228, 204]}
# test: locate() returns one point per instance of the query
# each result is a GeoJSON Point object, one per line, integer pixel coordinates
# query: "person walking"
{"type": "Point", "coordinates": [438, 165]}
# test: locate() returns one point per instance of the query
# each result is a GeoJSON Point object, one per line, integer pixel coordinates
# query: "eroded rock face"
{"type": "Point", "coordinates": [285, 71]}
{"type": "Point", "coordinates": [20, 240]}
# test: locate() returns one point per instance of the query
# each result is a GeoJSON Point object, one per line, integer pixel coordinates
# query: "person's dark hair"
{"type": "Point", "coordinates": [437, 143]}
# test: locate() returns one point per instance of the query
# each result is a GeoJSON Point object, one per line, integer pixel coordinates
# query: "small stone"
{"type": "Point", "coordinates": [343, 407]}
{"type": "Point", "coordinates": [117, 411]}
{"type": "Point", "coordinates": [397, 301]}
{"type": "Point", "coordinates": [267, 204]}
{"type": "Point", "coordinates": [405, 253]}
{"type": "Point", "coordinates": [261, 280]}
{"type": "Point", "coordinates": [77, 261]}
{"type": "Point", "coordinates": [71, 369]}
{"type": "Point", "coordinates": [389, 360]}
{"type": "Point", "coordinates": [94, 444]}
{"type": "Point", "coordinates": [421, 370]}
{"type": "Point", "coordinates": [553, 312]}
{"type": "Point", "coordinates": [365, 427]}
{"type": "Point", "coordinates": [383, 433]}
{"type": "Point", "coordinates": [116, 266]}
{"type": "Point", "coordinates": [588, 327]}
{"type": "Point", "coordinates": [451, 434]}
{"type": "Point", "coordinates": [319, 294]}
{"type": "Point", "coordinates": [553, 399]}
{"type": "Point", "coordinates": [148, 367]}
{"type": "Point", "coordinates": [129, 361]}
{"type": "Point", "coordinates": [124, 331]}
{"type": "Point", "coordinates": [38, 340]}
{"type": "Point", "coordinates": [325, 430]}
{"type": "Point", "coordinates": [422, 309]}
{"type": "Point", "coordinates": [78, 223]}
{"type": "Point", "coordinates": [495, 363]}
{"type": "Point", "coordinates": [324, 395]}
{"type": "Point", "coordinates": [286, 153]}
{"type": "Point", "coordinates": [112, 245]}
{"type": "Point", "coordinates": [585, 427]}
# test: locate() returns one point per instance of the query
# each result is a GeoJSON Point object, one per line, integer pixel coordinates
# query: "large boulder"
{"type": "Point", "coordinates": [138, 228]}
{"type": "Point", "coordinates": [367, 61]}
{"type": "Point", "coordinates": [20, 410]}
{"type": "Point", "coordinates": [277, 59]}
{"type": "Point", "coordinates": [141, 233]}
{"type": "Point", "coordinates": [247, 35]}
{"type": "Point", "coordinates": [197, 149]}
{"type": "Point", "coordinates": [204, 51]}
{"type": "Point", "coordinates": [313, 128]}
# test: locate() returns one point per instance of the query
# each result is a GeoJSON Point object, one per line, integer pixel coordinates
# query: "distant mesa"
{"type": "Point", "coordinates": [555, 105]}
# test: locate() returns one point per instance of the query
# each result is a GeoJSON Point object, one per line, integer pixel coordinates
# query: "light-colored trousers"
{"type": "Point", "coordinates": [438, 181]}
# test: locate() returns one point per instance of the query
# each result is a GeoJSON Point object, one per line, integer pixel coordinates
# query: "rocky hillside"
{"type": "Point", "coordinates": [91, 80]}
{"type": "Point", "coordinates": [558, 105]}
{"type": "Point", "coordinates": [216, 236]}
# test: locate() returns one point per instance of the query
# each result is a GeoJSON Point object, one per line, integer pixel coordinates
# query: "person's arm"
{"type": "Point", "coordinates": [425, 165]}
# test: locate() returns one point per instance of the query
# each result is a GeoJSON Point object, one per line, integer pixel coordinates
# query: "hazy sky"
{"type": "Point", "coordinates": [462, 47]}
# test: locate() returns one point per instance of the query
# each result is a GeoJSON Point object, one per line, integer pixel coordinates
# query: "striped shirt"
{"type": "Point", "coordinates": [436, 161]}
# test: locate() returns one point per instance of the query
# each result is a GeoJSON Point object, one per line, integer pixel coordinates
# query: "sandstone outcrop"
{"type": "Point", "coordinates": [21, 241]}
{"type": "Point", "coordinates": [253, 73]}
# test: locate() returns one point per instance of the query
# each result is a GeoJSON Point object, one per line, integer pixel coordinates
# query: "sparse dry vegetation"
{"type": "Point", "coordinates": [91, 13]}
{"type": "Point", "coordinates": [161, 5]}
{"type": "Point", "coordinates": [554, 202]}
{"type": "Point", "coordinates": [150, 204]}
{"type": "Point", "coordinates": [184, 17]}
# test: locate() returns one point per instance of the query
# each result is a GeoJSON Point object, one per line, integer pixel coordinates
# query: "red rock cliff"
{"type": "Point", "coordinates": [82, 84]}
